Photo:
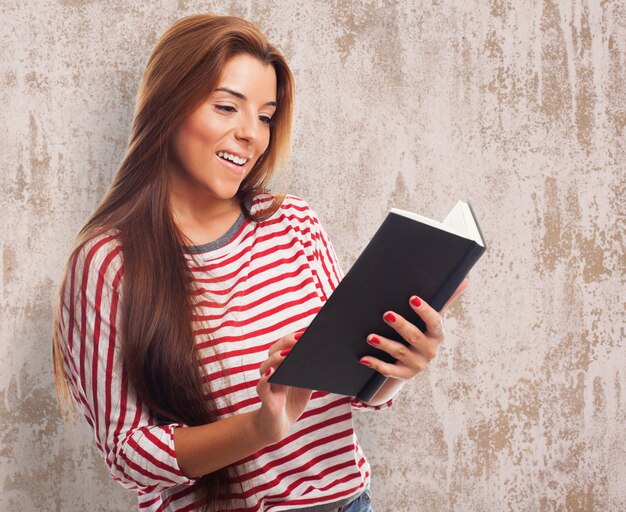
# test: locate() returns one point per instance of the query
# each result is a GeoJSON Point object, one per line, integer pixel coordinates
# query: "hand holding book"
{"type": "Point", "coordinates": [413, 356]}
{"type": "Point", "coordinates": [280, 405]}
{"type": "Point", "coordinates": [409, 254]}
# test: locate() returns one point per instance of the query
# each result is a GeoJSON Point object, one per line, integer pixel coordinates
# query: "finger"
{"type": "Point", "coordinates": [430, 317]}
{"type": "Point", "coordinates": [410, 332]}
{"type": "Point", "coordinates": [391, 370]}
{"type": "Point", "coordinates": [419, 351]}
{"type": "Point", "coordinates": [407, 356]}
{"type": "Point", "coordinates": [274, 360]}
{"type": "Point", "coordinates": [459, 291]}
{"type": "Point", "coordinates": [263, 386]}
{"type": "Point", "coordinates": [285, 342]}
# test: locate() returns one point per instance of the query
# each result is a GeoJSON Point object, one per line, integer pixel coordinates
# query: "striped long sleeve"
{"type": "Point", "coordinates": [138, 451]}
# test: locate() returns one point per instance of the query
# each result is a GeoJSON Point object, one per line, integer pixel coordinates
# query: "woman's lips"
{"type": "Point", "coordinates": [233, 167]}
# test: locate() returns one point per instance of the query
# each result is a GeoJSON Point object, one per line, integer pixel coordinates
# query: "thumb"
{"type": "Point", "coordinates": [263, 387]}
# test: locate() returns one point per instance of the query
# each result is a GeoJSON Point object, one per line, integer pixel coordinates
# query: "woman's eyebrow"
{"type": "Point", "coordinates": [241, 96]}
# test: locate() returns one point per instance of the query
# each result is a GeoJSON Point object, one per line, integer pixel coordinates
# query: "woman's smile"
{"type": "Point", "coordinates": [233, 161]}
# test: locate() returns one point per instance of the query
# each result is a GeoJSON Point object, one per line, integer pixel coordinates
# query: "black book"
{"type": "Point", "coordinates": [408, 255]}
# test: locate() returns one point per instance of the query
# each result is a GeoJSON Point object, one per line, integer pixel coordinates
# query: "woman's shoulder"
{"type": "Point", "coordinates": [100, 253]}
{"type": "Point", "coordinates": [289, 204]}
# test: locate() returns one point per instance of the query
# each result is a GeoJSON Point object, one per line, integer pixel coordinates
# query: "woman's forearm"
{"type": "Point", "coordinates": [207, 448]}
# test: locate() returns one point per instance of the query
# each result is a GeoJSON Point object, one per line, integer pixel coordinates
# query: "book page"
{"type": "Point", "coordinates": [459, 221]}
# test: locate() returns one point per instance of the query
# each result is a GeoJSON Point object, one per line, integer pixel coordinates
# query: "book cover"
{"type": "Point", "coordinates": [408, 255]}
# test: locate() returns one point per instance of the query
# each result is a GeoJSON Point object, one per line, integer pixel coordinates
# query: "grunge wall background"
{"type": "Point", "coordinates": [518, 106]}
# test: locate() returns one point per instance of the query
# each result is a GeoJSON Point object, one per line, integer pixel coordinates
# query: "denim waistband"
{"type": "Point", "coordinates": [328, 507]}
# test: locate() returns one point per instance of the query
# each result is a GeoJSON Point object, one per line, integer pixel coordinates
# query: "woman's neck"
{"type": "Point", "coordinates": [207, 222]}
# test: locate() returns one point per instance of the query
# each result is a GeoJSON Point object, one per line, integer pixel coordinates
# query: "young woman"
{"type": "Point", "coordinates": [190, 283]}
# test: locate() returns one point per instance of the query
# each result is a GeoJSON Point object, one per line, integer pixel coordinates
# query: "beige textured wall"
{"type": "Point", "coordinates": [518, 106]}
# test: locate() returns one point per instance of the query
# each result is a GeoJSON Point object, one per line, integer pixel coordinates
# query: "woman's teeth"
{"type": "Point", "coordinates": [232, 158]}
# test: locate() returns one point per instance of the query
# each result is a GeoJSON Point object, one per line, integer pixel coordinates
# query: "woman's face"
{"type": "Point", "coordinates": [219, 143]}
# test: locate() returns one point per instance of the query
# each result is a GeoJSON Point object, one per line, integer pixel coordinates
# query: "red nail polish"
{"type": "Point", "coordinates": [267, 373]}
{"type": "Point", "coordinates": [283, 353]}
{"type": "Point", "coordinates": [297, 336]}
{"type": "Point", "coordinates": [416, 302]}
{"type": "Point", "coordinates": [389, 317]}
{"type": "Point", "coordinates": [374, 340]}
{"type": "Point", "coordinates": [365, 362]}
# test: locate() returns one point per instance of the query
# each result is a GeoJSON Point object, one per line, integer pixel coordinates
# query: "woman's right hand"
{"type": "Point", "coordinates": [281, 405]}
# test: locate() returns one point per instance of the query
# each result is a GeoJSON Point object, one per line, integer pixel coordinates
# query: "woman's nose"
{"type": "Point", "coordinates": [247, 128]}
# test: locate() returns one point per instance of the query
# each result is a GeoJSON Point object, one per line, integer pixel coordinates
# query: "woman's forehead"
{"type": "Point", "coordinates": [250, 78]}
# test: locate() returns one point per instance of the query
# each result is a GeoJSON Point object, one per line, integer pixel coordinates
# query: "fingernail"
{"type": "Point", "coordinates": [374, 340]}
{"type": "Point", "coordinates": [297, 336]}
{"type": "Point", "coordinates": [416, 302]}
{"type": "Point", "coordinates": [365, 362]}
{"type": "Point", "coordinates": [283, 353]}
{"type": "Point", "coordinates": [389, 317]}
{"type": "Point", "coordinates": [267, 373]}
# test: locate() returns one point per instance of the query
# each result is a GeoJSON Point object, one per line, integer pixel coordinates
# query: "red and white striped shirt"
{"type": "Point", "coordinates": [256, 284]}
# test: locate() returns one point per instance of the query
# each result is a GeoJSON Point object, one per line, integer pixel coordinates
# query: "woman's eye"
{"type": "Point", "coordinates": [226, 108]}
{"type": "Point", "coordinates": [266, 120]}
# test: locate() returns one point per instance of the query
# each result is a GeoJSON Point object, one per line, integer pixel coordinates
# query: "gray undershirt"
{"type": "Point", "coordinates": [220, 242]}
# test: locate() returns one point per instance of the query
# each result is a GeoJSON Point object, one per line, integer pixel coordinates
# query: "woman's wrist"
{"type": "Point", "coordinates": [259, 428]}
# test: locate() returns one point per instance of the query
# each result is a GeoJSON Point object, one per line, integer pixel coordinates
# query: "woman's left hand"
{"type": "Point", "coordinates": [422, 346]}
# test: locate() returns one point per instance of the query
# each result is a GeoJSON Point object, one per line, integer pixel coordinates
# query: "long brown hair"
{"type": "Point", "coordinates": [158, 348]}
